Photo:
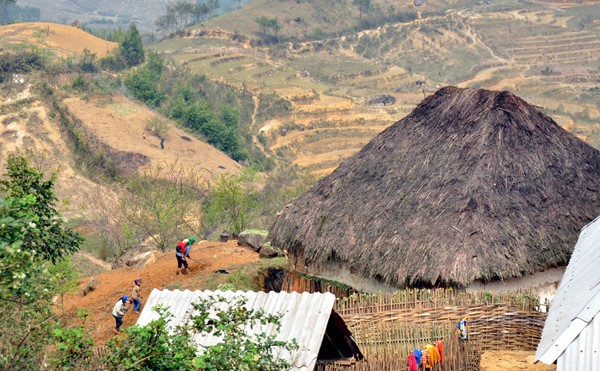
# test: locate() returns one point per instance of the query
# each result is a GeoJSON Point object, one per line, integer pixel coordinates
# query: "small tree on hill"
{"type": "Point", "coordinates": [131, 48]}
{"type": "Point", "coordinates": [267, 25]}
{"type": "Point", "coordinates": [231, 201]}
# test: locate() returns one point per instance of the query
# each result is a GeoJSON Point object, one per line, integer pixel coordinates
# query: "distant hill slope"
{"type": "Point", "coordinates": [111, 13]}
{"type": "Point", "coordinates": [121, 124]}
{"type": "Point", "coordinates": [334, 64]}
{"type": "Point", "coordinates": [62, 40]}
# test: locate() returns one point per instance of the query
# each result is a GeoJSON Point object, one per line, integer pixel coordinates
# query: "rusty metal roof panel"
{"type": "Point", "coordinates": [305, 318]}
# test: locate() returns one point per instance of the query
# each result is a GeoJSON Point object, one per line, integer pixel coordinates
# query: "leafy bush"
{"type": "Point", "coordinates": [23, 62]}
{"type": "Point", "coordinates": [143, 85]}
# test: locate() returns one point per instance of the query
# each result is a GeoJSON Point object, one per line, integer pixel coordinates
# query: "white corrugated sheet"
{"type": "Point", "coordinates": [571, 335]}
{"type": "Point", "coordinates": [305, 318]}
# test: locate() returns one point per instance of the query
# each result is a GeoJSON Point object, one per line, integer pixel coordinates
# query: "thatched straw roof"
{"type": "Point", "coordinates": [473, 184]}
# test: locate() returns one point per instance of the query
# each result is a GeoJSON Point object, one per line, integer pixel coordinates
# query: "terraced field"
{"type": "Point", "coordinates": [549, 55]}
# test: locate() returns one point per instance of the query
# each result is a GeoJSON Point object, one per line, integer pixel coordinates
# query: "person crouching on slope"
{"type": "Point", "coordinates": [136, 294]}
{"type": "Point", "coordinates": [119, 311]}
{"type": "Point", "coordinates": [180, 253]}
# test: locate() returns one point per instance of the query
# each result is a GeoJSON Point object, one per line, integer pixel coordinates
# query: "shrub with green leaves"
{"type": "Point", "coordinates": [32, 239]}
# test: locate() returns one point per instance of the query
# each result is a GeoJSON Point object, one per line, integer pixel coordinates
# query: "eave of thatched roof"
{"type": "Point", "coordinates": [473, 184]}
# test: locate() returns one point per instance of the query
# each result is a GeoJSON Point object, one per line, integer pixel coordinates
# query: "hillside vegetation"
{"type": "Point", "coordinates": [327, 62]}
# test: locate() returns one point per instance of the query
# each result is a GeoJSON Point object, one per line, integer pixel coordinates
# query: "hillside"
{"type": "Point", "coordinates": [331, 65]}
{"type": "Point", "coordinates": [110, 13]}
{"type": "Point", "coordinates": [61, 40]}
{"type": "Point", "coordinates": [160, 272]}
{"type": "Point", "coordinates": [117, 124]}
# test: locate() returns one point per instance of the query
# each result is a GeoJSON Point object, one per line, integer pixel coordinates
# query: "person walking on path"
{"type": "Point", "coordinates": [136, 295]}
{"type": "Point", "coordinates": [162, 143]}
{"type": "Point", "coordinates": [119, 311]}
{"type": "Point", "coordinates": [180, 253]}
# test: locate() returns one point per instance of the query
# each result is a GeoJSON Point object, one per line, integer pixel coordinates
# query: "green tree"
{"type": "Point", "coordinates": [143, 85]}
{"type": "Point", "coordinates": [74, 347]}
{"type": "Point", "coordinates": [232, 202]}
{"type": "Point", "coordinates": [131, 48]}
{"type": "Point", "coordinates": [50, 239]}
{"type": "Point", "coordinates": [160, 204]}
{"type": "Point", "coordinates": [267, 24]}
{"type": "Point", "coordinates": [31, 236]}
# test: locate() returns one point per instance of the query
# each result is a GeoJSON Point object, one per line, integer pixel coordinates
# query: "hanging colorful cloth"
{"type": "Point", "coordinates": [439, 346]}
{"type": "Point", "coordinates": [418, 356]}
{"type": "Point", "coordinates": [434, 354]}
{"type": "Point", "coordinates": [412, 363]}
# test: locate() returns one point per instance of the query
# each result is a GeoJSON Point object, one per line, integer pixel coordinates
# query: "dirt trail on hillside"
{"type": "Point", "coordinates": [160, 274]}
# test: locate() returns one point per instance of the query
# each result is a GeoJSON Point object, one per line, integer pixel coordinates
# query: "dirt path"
{"type": "Point", "coordinates": [511, 360]}
{"type": "Point", "coordinates": [160, 274]}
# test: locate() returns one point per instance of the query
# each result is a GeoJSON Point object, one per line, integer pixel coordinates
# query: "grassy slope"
{"type": "Point", "coordinates": [58, 39]}
{"type": "Point", "coordinates": [506, 44]}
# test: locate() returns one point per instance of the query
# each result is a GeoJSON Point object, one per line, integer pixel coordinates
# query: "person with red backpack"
{"type": "Point", "coordinates": [180, 253]}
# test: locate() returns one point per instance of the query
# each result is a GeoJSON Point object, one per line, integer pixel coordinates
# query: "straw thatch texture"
{"type": "Point", "coordinates": [473, 184]}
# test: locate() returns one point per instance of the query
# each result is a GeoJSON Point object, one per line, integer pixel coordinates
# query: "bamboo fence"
{"type": "Point", "coordinates": [389, 326]}
{"type": "Point", "coordinates": [458, 356]}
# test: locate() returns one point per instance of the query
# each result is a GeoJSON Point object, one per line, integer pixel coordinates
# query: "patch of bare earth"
{"type": "Point", "coordinates": [160, 274]}
{"type": "Point", "coordinates": [513, 360]}
{"type": "Point", "coordinates": [121, 124]}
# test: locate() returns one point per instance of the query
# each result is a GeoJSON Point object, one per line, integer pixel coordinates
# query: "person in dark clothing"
{"type": "Point", "coordinates": [162, 143]}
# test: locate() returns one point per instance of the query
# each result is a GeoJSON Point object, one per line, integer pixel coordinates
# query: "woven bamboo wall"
{"type": "Point", "coordinates": [458, 356]}
{"type": "Point", "coordinates": [388, 326]}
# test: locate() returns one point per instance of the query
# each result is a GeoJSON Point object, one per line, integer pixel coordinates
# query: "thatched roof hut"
{"type": "Point", "coordinates": [472, 185]}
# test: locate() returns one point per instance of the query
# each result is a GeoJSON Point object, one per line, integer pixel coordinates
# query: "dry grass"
{"type": "Point", "coordinates": [63, 40]}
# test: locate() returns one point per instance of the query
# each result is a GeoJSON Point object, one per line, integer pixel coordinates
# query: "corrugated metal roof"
{"type": "Point", "coordinates": [305, 318]}
{"type": "Point", "coordinates": [571, 335]}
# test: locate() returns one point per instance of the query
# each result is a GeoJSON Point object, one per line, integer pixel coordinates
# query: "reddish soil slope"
{"type": "Point", "coordinates": [160, 274]}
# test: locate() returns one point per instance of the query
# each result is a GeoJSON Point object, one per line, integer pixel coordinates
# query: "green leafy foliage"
{"type": "Point", "coordinates": [131, 48]}
{"type": "Point", "coordinates": [154, 347]}
{"type": "Point", "coordinates": [233, 201]}
{"type": "Point", "coordinates": [23, 62]}
{"type": "Point", "coordinates": [151, 347]}
{"type": "Point", "coordinates": [143, 84]}
{"type": "Point", "coordinates": [50, 239]}
{"type": "Point", "coordinates": [31, 236]}
{"type": "Point", "coordinates": [74, 346]}
{"type": "Point", "coordinates": [237, 350]}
